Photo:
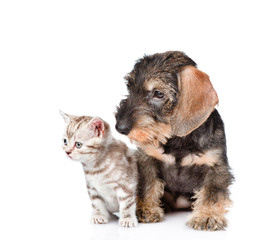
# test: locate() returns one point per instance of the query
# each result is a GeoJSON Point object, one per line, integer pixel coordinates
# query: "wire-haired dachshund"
{"type": "Point", "coordinates": [170, 115]}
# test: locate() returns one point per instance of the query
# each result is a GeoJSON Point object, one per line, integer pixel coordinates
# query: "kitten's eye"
{"type": "Point", "coordinates": [65, 142]}
{"type": "Point", "coordinates": [123, 101]}
{"type": "Point", "coordinates": [78, 145]}
{"type": "Point", "coordinates": [158, 94]}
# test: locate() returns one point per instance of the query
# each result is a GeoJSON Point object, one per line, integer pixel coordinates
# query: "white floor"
{"type": "Point", "coordinates": [174, 225]}
{"type": "Point", "coordinates": [50, 201]}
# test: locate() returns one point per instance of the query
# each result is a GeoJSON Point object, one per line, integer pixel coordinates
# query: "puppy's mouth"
{"type": "Point", "coordinates": [153, 135]}
{"type": "Point", "coordinates": [145, 130]}
{"type": "Point", "coordinates": [141, 135]}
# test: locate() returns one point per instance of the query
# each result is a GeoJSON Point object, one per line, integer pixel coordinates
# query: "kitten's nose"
{"type": "Point", "coordinates": [68, 152]}
{"type": "Point", "coordinates": [123, 128]}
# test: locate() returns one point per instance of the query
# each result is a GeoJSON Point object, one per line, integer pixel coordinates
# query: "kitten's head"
{"type": "Point", "coordinates": [84, 137]}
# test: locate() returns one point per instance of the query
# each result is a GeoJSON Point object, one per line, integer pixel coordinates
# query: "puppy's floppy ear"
{"type": "Point", "coordinates": [197, 99]}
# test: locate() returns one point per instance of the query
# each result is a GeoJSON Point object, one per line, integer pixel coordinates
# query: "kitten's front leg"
{"type": "Point", "coordinates": [127, 205]}
{"type": "Point", "coordinates": [99, 212]}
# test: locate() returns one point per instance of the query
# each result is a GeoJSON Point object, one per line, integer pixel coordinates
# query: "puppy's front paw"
{"type": "Point", "coordinates": [150, 215]}
{"type": "Point", "coordinates": [207, 223]}
{"type": "Point", "coordinates": [99, 219]}
{"type": "Point", "coordinates": [128, 222]}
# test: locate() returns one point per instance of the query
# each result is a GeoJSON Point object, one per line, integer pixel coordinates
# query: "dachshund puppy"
{"type": "Point", "coordinates": [170, 115]}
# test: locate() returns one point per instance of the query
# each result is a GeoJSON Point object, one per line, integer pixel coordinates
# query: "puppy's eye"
{"type": "Point", "coordinates": [158, 94]}
{"type": "Point", "coordinates": [65, 142]}
{"type": "Point", "coordinates": [78, 145]}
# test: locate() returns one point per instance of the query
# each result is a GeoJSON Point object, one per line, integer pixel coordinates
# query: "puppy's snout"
{"type": "Point", "coordinates": [123, 127]}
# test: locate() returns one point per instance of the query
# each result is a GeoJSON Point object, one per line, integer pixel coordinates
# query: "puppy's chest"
{"type": "Point", "coordinates": [180, 147]}
{"type": "Point", "coordinates": [182, 179]}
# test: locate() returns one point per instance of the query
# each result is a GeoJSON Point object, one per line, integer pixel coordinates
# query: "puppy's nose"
{"type": "Point", "coordinates": [123, 128]}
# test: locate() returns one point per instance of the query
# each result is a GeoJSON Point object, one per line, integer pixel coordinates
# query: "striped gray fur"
{"type": "Point", "coordinates": [110, 168]}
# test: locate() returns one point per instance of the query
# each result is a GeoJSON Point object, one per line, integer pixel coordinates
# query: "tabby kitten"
{"type": "Point", "coordinates": [110, 168]}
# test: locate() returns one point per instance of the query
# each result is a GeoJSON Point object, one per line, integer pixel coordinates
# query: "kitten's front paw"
{"type": "Point", "coordinates": [99, 219]}
{"type": "Point", "coordinates": [128, 222]}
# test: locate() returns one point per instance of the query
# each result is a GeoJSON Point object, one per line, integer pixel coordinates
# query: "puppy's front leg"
{"type": "Point", "coordinates": [150, 191]}
{"type": "Point", "coordinates": [212, 201]}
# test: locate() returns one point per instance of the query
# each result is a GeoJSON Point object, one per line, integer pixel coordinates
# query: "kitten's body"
{"type": "Point", "coordinates": [110, 168]}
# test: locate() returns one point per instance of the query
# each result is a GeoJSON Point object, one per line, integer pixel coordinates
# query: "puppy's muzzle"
{"type": "Point", "coordinates": [123, 127]}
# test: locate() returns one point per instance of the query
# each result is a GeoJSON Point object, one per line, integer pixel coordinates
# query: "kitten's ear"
{"type": "Point", "coordinates": [65, 116]}
{"type": "Point", "coordinates": [97, 126]}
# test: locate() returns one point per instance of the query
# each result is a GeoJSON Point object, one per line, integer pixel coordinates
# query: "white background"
{"type": "Point", "coordinates": [72, 55]}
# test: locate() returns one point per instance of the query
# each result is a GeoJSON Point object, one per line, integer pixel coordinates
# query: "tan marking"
{"type": "Point", "coordinates": [158, 153]}
{"type": "Point", "coordinates": [148, 208]}
{"type": "Point", "coordinates": [147, 131]}
{"type": "Point", "coordinates": [209, 158]}
{"type": "Point", "coordinates": [140, 135]}
{"type": "Point", "coordinates": [153, 84]}
{"type": "Point", "coordinates": [209, 213]}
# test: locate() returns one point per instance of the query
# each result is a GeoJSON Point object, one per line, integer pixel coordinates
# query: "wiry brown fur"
{"type": "Point", "coordinates": [170, 114]}
{"type": "Point", "coordinates": [150, 190]}
{"type": "Point", "coordinates": [209, 215]}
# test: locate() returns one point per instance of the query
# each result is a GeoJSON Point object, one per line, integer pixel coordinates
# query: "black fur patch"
{"type": "Point", "coordinates": [187, 179]}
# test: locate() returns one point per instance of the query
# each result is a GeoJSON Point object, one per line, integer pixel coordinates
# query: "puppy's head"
{"type": "Point", "coordinates": [168, 96]}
